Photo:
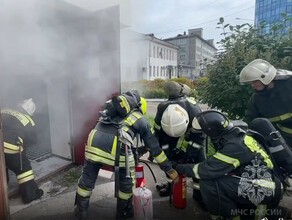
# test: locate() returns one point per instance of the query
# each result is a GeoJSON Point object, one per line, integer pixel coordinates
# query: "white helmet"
{"type": "Point", "coordinates": [258, 70]}
{"type": "Point", "coordinates": [175, 120]}
{"type": "Point", "coordinates": [28, 105]}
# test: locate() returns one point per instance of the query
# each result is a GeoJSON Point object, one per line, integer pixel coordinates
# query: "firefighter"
{"type": "Point", "coordinates": [18, 129]}
{"type": "Point", "coordinates": [168, 134]}
{"type": "Point", "coordinates": [272, 96]}
{"type": "Point", "coordinates": [110, 143]}
{"type": "Point", "coordinates": [239, 179]}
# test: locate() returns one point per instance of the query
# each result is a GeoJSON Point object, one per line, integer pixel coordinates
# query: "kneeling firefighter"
{"type": "Point", "coordinates": [18, 135]}
{"type": "Point", "coordinates": [172, 122]}
{"type": "Point", "coordinates": [240, 173]}
{"type": "Point", "coordinates": [110, 143]}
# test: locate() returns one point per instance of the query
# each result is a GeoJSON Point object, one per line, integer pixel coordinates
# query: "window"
{"type": "Point", "coordinates": [150, 69]}
{"type": "Point", "coordinates": [157, 74]}
{"type": "Point", "coordinates": [153, 71]}
{"type": "Point", "coordinates": [153, 51]}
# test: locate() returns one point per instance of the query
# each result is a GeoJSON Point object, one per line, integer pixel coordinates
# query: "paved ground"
{"type": "Point", "coordinates": [58, 200]}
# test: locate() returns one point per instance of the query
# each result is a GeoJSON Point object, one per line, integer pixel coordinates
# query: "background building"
{"type": "Point", "coordinates": [194, 52]}
{"type": "Point", "coordinates": [146, 57]}
{"type": "Point", "coordinates": [270, 11]}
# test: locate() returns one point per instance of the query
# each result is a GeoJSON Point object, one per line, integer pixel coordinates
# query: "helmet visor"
{"type": "Point", "coordinates": [196, 125]}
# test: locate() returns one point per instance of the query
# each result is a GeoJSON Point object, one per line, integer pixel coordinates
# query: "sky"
{"type": "Point", "coordinates": [168, 18]}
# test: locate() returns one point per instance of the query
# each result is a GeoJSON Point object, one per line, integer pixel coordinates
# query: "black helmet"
{"type": "Point", "coordinates": [212, 123]}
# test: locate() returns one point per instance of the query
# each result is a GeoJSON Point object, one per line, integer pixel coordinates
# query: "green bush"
{"type": "Point", "coordinates": [154, 93]}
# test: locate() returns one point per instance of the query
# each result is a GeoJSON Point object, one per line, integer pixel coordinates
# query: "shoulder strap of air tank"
{"type": "Point", "coordinates": [117, 162]}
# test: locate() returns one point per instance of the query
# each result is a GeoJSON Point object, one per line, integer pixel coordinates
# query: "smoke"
{"type": "Point", "coordinates": [66, 58]}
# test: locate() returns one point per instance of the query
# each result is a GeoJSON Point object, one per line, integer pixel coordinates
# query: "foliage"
{"type": "Point", "coordinates": [155, 88]}
{"type": "Point", "coordinates": [242, 44]}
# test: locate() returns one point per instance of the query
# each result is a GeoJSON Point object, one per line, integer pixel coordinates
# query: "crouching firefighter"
{"type": "Point", "coordinates": [110, 143]}
{"type": "Point", "coordinates": [239, 179]}
{"type": "Point", "coordinates": [18, 132]}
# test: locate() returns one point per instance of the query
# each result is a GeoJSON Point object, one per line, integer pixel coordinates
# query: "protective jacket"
{"type": "Point", "coordinates": [102, 141]}
{"type": "Point", "coordinates": [195, 139]}
{"type": "Point", "coordinates": [239, 173]}
{"type": "Point", "coordinates": [276, 105]}
{"type": "Point", "coordinates": [17, 132]}
{"type": "Point", "coordinates": [101, 149]}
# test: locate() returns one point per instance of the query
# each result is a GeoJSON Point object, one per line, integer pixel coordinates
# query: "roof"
{"type": "Point", "coordinates": [155, 39]}
{"type": "Point", "coordinates": [189, 36]}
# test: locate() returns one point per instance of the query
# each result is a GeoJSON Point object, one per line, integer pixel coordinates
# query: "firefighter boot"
{"type": "Point", "coordinates": [161, 186]}
{"type": "Point", "coordinates": [197, 196]}
{"type": "Point", "coordinates": [165, 191]}
{"type": "Point", "coordinates": [124, 209]}
{"type": "Point", "coordinates": [81, 204]}
{"type": "Point", "coordinates": [29, 191]}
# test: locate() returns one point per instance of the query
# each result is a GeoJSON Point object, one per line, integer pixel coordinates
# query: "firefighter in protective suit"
{"type": "Point", "coordinates": [239, 179]}
{"type": "Point", "coordinates": [18, 129]}
{"type": "Point", "coordinates": [172, 122]}
{"type": "Point", "coordinates": [110, 143]}
{"type": "Point", "coordinates": [272, 96]}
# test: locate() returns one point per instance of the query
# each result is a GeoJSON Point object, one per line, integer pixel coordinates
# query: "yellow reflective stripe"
{"type": "Point", "coordinates": [196, 186]}
{"type": "Point", "coordinates": [130, 120]}
{"type": "Point", "coordinates": [281, 117]}
{"type": "Point", "coordinates": [260, 212]}
{"type": "Point", "coordinates": [196, 171]}
{"type": "Point", "coordinates": [125, 196]}
{"type": "Point", "coordinates": [26, 176]}
{"type": "Point", "coordinates": [235, 162]}
{"type": "Point", "coordinates": [114, 147]}
{"type": "Point", "coordinates": [30, 119]}
{"type": "Point", "coordinates": [90, 137]}
{"type": "Point", "coordinates": [83, 192]}
{"type": "Point", "coordinates": [137, 115]}
{"type": "Point", "coordinates": [99, 152]}
{"type": "Point", "coordinates": [105, 160]}
{"type": "Point", "coordinates": [157, 126]}
{"type": "Point", "coordinates": [254, 146]}
{"type": "Point", "coordinates": [161, 157]}
{"type": "Point", "coordinates": [236, 218]}
{"type": "Point", "coordinates": [24, 119]}
{"type": "Point", "coordinates": [20, 140]}
{"type": "Point", "coordinates": [124, 103]}
{"type": "Point", "coordinates": [285, 129]}
{"type": "Point", "coordinates": [11, 146]}
{"type": "Point", "coordinates": [98, 159]}
{"type": "Point", "coordinates": [152, 130]}
{"type": "Point", "coordinates": [191, 100]}
{"type": "Point", "coordinates": [7, 151]}
{"type": "Point", "coordinates": [265, 183]}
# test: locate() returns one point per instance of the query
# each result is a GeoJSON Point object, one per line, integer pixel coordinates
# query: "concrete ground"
{"type": "Point", "coordinates": [58, 200]}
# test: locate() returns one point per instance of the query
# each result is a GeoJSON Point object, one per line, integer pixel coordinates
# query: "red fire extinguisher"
{"type": "Point", "coordinates": [139, 173]}
{"type": "Point", "coordinates": [179, 193]}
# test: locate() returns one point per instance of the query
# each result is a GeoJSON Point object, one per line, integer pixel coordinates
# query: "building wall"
{"type": "Point", "coordinates": [163, 61]}
{"type": "Point", "coordinates": [193, 53]}
{"type": "Point", "coordinates": [270, 11]}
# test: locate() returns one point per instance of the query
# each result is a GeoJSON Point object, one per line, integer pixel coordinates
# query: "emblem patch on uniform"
{"type": "Point", "coordinates": [256, 182]}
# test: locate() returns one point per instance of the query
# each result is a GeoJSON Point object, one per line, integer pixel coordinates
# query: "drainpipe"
{"type": "Point", "coordinates": [4, 206]}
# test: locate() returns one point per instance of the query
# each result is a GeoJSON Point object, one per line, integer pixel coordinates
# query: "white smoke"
{"type": "Point", "coordinates": [65, 57]}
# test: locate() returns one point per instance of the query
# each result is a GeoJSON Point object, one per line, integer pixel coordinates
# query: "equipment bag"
{"type": "Point", "coordinates": [264, 132]}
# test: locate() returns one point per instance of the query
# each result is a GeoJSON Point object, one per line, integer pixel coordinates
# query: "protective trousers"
{"type": "Point", "coordinates": [87, 182]}
{"type": "Point", "coordinates": [221, 199]}
{"type": "Point", "coordinates": [28, 188]}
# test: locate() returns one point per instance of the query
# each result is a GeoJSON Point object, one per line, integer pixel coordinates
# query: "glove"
{"type": "Point", "coordinates": [142, 150]}
{"type": "Point", "coordinates": [173, 175]}
{"type": "Point", "coordinates": [180, 168]}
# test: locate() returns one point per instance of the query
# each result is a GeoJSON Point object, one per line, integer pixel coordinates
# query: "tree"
{"type": "Point", "coordinates": [241, 45]}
